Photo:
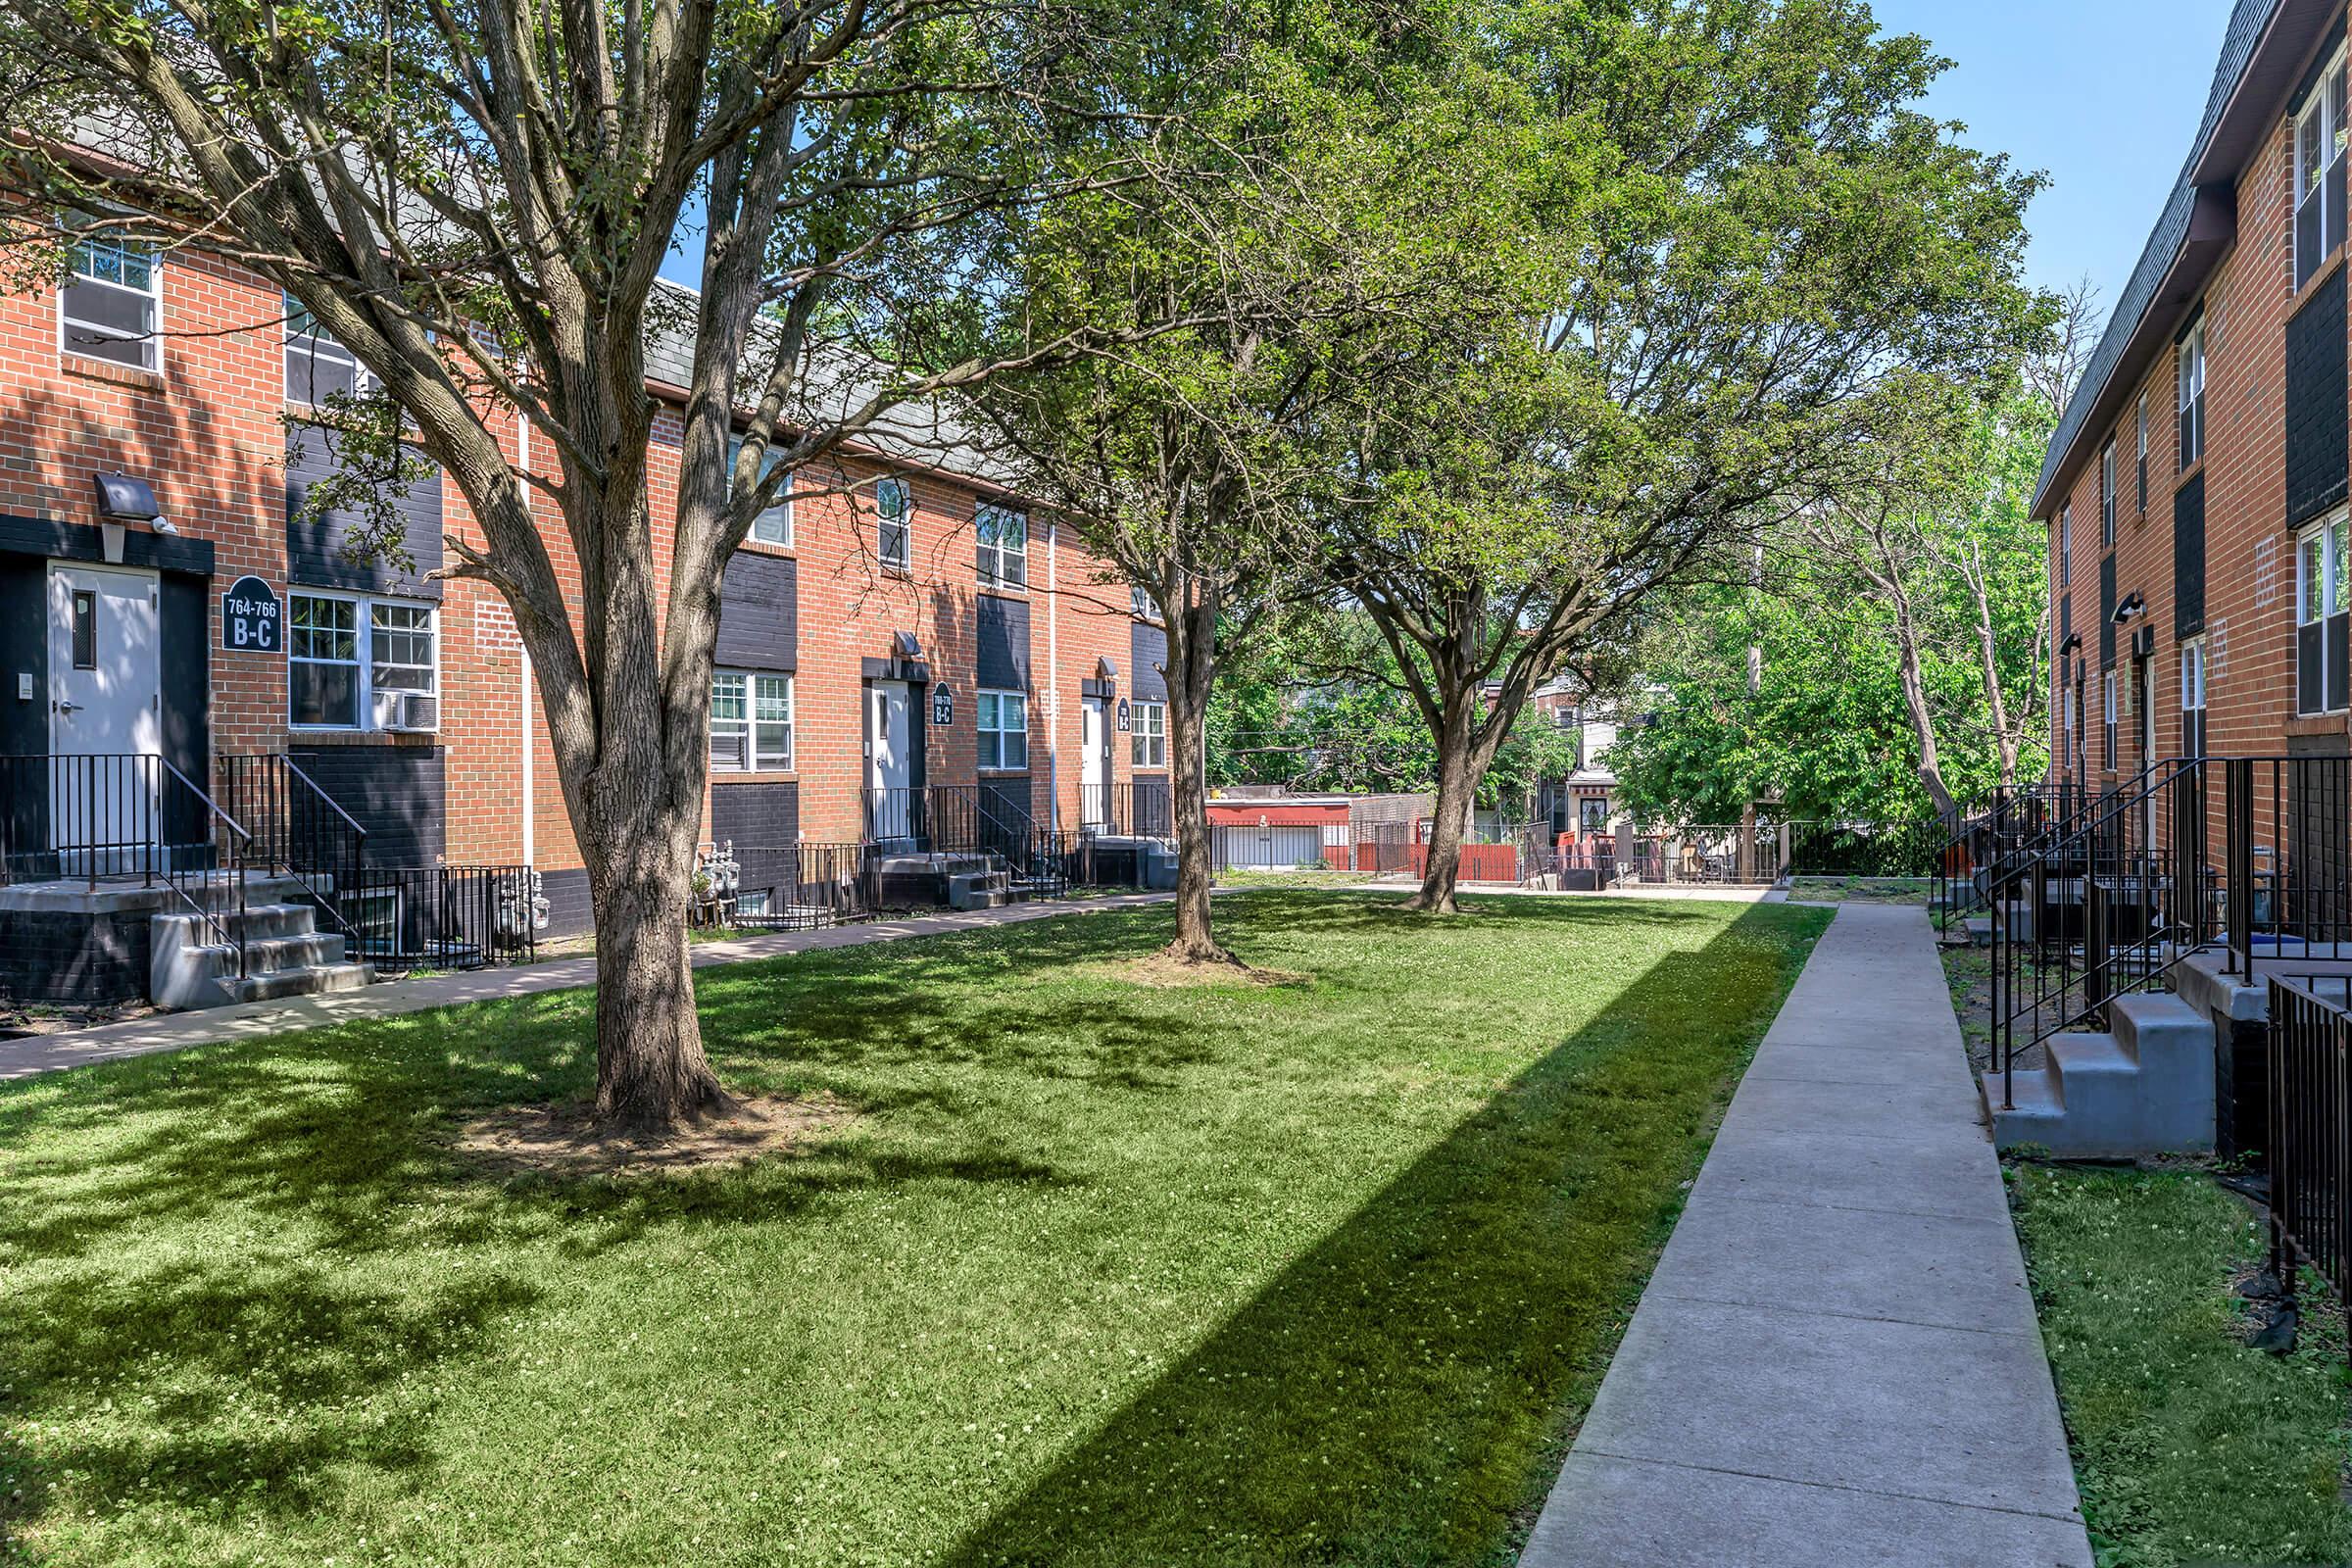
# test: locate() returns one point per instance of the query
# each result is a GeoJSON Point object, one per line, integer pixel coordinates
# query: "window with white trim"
{"type": "Point", "coordinates": [2066, 544]}
{"type": "Point", "coordinates": [1003, 719]}
{"type": "Point", "coordinates": [774, 525]}
{"type": "Point", "coordinates": [317, 367]}
{"type": "Point", "coordinates": [2320, 142]}
{"type": "Point", "coordinates": [2191, 400]}
{"type": "Point", "coordinates": [2192, 698]}
{"type": "Point", "coordinates": [361, 664]}
{"type": "Point", "coordinates": [1147, 738]}
{"type": "Point", "coordinates": [1004, 545]}
{"type": "Point", "coordinates": [2323, 615]}
{"type": "Point", "coordinates": [1145, 604]}
{"type": "Point", "coordinates": [894, 534]}
{"type": "Point", "coordinates": [2141, 418]}
{"type": "Point", "coordinates": [111, 306]}
{"type": "Point", "coordinates": [2107, 495]}
{"type": "Point", "coordinates": [751, 722]}
{"type": "Point", "coordinates": [2070, 739]}
{"type": "Point", "coordinates": [2107, 754]}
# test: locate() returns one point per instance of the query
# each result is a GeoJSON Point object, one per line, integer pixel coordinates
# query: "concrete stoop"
{"type": "Point", "coordinates": [2144, 1088]}
{"type": "Point", "coordinates": [287, 955]}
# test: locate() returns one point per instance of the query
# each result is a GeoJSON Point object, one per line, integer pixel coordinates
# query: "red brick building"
{"type": "Point", "coordinates": [2196, 492]}
{"type": "Point", "coordinates": [925, 633]}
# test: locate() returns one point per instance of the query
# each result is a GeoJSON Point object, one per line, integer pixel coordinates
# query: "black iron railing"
{"type": "Point", "coordinates": [1735, 856]}
{"type": "Point", "coordinates": [298, 829]}
{"type": "Point", "coordinates": [1999, 829]}
{"type": "Point", "coordinates": [1142, 808]}
{"type": "Point", "coordinates": [2310, 1129]}
{"type": "Point", "coordinates": [94, 817]}
{"type": "Point", "coordinates": [439, 916]}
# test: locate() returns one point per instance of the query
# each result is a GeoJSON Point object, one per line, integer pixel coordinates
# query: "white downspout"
{"type": "Point", "coordinates": [1054, 672]}
{"type": "Point", "coordinates": [531, 798]}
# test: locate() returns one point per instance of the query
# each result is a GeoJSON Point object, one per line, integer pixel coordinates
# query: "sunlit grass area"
{"type": "Point", "coordinates": [2190, 1447]}
{"type": "Point", "coordinates": [1097, 1273]}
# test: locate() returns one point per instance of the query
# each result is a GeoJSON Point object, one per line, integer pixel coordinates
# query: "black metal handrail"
{"type": "Point", "coordinates": [94, 816]}
{"type": "Point", "coordinates": [1144, 808]}
{"type": "Point", "coordinates": [439, 916]}
{"type": "Point", "coordinates": [299, 829]}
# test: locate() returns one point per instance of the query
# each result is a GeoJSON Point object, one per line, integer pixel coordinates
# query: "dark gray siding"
{"type": "Point", "coordinates": [314, 546]}
{"type": "Point", "coordinates": [2188, 559]}
{"type": "Point", "coordinates": [2316, 428]}
{"type": "Point", "coordinates": [183, 624]}
{"type": "Point", "coordinates": [1009, 799]}
{"type": "Point", "coordinates": [1149, 649]}
{"type": "Point", "coordinates": [759, 613]}
{"type": "Point", "coordinates": [2107, 612]}
{"type": "Point", "coordinates": [1003, 634]}
{"type": "Point", "coordinates": [763, 823]}
{"type": "Point", "coordinates": [397, 793]}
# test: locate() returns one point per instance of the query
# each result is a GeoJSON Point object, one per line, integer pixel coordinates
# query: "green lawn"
{"type": "Point", "coordinates": [2189, 1447]}
{"type": "Point", "coordinates": [1103, 1274]}
{"type": "Point", "coordinates": [1861, 889]}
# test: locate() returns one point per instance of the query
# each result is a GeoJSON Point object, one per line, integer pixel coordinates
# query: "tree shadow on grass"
{"type": "Point", "coordinates": [1403, 1394]}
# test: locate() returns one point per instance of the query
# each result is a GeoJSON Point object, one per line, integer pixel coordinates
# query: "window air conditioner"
{"type": "Point", "coordinates": [408, 712]}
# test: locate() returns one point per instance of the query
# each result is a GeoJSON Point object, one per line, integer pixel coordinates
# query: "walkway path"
{"type": "Point", "coordinates": [176, 1030]}
{"type": "Point", "coordinates": [1836, 1360]}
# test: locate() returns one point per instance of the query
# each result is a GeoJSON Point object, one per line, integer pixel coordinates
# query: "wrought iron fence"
{"type": "Point", "coordinates": [1896, 849]}
{"type": "Point", "coordinates": [440, 917]}
{"type": "Point", "coordinates": [2310, 1129]}
{"type": "Point", "coordinates": [1728, 855]}
{"type": "Point", "coordinates": [1144, 808]}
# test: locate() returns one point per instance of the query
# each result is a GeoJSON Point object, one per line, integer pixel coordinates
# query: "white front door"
{"type": "Point", "coordinates": [890, 747]}
{"type": "Point", "coordinates": [1094, 766]}
{"type": "Point", "coordinates": [106, 679]}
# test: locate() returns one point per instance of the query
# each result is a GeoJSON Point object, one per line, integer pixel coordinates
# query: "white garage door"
{"type": "Point", "coordinates": [1272, 849]}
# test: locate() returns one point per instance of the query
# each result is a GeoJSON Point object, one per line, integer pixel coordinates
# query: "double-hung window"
{"type": "Point", "coordinates": [2322, 617]}
{"type": "Point", "coordinates": [317, 367]}
{"type": "Point", "coordinates": [751, 722]}
{"type": "Point", "coordinates": [2192, 698]}
{"type": "Point", "coordinates": [2192, 395]}
{"type": "Point", "coordinates": [111, 306]}
{"type": "Point", "coordinates": [2066, 543]}
{"type": "Point", "coordinates": [1003, 547]}
{"type": "Point", "coordinates": [359, 663]}
{"type": "Point", "coordinates": [894, 534]}
{"type": "Point", "coordinates": [1148, 743]}
{"type": "Point", "coordinates": [2069, 743]}
{"type": "Point", "coordinates": [2107, 495]}
{"type": "Point", "coordinates": [2142, 420]}
{"type": "Point", "coordinates": [2107, 751]}
{"type": "Point", "coordinates": [1146, 605]}
{"type": "Point", "coordinates": [1003, 730]}
{"type": "Point", "coordinates": [774, 525]}
{"type": "Point", "coordinates": [2320, 171]}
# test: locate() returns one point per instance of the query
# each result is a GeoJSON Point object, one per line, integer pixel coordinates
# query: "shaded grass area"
{"type": "Point", "coordinates": [1299, 880]}
{"type": "Point", "coordinates": [1101, 1274]}
{"type": "Point", "coordinates": [1861, 889]}
{"type": "Point", "coordinates": [2190, 1447]}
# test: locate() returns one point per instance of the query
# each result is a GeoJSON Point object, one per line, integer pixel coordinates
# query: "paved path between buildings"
{"type": "Point", "coordinates": [1836, 1360]}
{"type": "Point", "coordinates": [176, 1030]}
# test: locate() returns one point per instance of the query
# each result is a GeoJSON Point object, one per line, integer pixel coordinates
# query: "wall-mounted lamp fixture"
{"type": "Point", "coordinates": [123, 501]}
{"type": "Point", "coordinates": [2072, 645]}
{"type": "Point", "coordinates": [2132, 604]}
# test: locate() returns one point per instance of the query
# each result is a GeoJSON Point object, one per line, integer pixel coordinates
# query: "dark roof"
{"type": "Point", "coordinates": [2248, 20]}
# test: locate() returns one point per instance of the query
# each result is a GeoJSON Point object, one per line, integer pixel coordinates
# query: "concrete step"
{"type": "Point", "coordinates": [2037, 1112]}
{"type": "Point", "coordinates": [264, 955]}
{"type": "Point", "coordinates": [312, 981]}
{"type": "Point", "coordinates": [2147, 1088]}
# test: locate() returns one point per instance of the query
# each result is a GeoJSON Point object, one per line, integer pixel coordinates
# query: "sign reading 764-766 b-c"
{"type": "Point", "coordinates": [251, 620]}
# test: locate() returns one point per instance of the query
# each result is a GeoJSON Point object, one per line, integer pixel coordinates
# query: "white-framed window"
{"type": "Point", "coordinates": [2320, 141]}
{"type": "Point", "coordinates": [751, 722]}
{"type": "Point", "coordinates": [2107, 755]}
{"type": "Point", "coordinates": [2069, 747]}
{"type": "Point", "coordinates": [2323, 615]}
{"type": "Point", "coordinates": [1004, 545]}
{"type": "Point", "coordinates": [1003, 719]}
{"type": "Point", "coordinates": [361, 664]}
{"type": "Point", "coordinates": [317, 367]}
{"type": "Point", "coordinates": [2142, 420]}
{"type": "Point", "coordinates": [2107, 493]}
{"type": "Point", "coordinates": [1146, 605]}
{"type": "Point", "coordinates": [2191, 383]}
{"type": "Point", "coordinates": [2192, 698]}
{"type": "Point", "coordinates": [772, 527]}
{"type": "Point", "coordinates": [1147, 735]}
{"type": "Point", "coordinates": [894, 532]}
{"type": "Point", "coordinates": [2066, 543]}
{"type": "Point", "coordinates": [112, 307]}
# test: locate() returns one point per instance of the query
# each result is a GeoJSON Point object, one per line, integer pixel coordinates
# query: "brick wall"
{"type": "Point", "coordinates": [207, 430]}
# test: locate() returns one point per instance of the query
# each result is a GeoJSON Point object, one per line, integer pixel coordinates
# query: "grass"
{"type": "Point", "coordinates": [2189, 1447]}
{"type": "Point", "coordinates": [1101, 1274]}
{"type": "Point", "coordinates": [1294, 879]}
{"type": "Point", "coordinates": [1860, 889]}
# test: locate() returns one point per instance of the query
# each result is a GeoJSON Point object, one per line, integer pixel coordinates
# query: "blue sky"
{"type": "Point", "coordinates": [2101, 95]}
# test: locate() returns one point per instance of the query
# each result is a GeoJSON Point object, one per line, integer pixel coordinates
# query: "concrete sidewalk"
{"type": "Point", "coordinates": [176, 1030]}
{"type": "Point", "coordinates": [1836, 1360]}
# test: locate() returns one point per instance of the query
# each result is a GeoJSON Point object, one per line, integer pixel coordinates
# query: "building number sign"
{"type": "Point", "coordinates": [252, 619]}
{"type": "Point", "coordinates": [1124, 719]}
{"type": "Point", "coordinates": [943, 705]}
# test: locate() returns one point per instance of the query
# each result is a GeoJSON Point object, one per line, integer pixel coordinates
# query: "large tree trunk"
{"type": "Point", "coordinates": [1191, 672]}
{"type": "Point", "coordinates": [651, 1073]}
{"type": "Point", "coordinates": [1457, 786]}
